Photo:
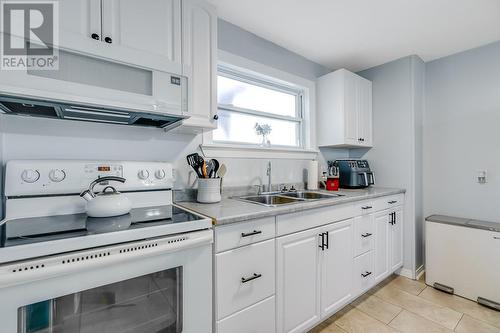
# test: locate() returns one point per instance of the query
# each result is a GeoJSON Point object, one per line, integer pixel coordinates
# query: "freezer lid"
{"type": "Point", "coordinates": [470, 223]}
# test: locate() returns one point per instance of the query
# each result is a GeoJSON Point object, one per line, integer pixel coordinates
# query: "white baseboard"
{"type": "Point", "coordinates": [408, 273]}
{"type": "Point", "coordinates": [420, 271]}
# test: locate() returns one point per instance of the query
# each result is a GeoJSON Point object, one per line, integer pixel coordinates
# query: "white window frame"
{"type": "Point", "coordinates": [275, 79]}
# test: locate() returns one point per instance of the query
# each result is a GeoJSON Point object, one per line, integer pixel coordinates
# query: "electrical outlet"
{"type": "Point", "coordinates": [481, 176]}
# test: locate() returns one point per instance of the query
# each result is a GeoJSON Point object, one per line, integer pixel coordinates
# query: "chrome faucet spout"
{"type": "Point", "coordinates": [268, 172]}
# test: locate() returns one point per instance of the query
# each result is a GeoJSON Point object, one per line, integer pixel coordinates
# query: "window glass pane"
{"type": "Point", "coordinates": [248, 96]}
{"type": "Point", "coordinates": [239, 127]}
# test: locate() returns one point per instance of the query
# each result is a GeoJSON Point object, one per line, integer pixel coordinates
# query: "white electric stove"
{"type": "Point", "coordinates": [62, 271]}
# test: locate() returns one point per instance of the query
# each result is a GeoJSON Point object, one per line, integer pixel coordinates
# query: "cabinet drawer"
{"type": "Point", "coordinates": [294, 222]}
{"type": "Point", "coordinates": [244, 276]}
{"type": "Point", "coordinates": [240, 234]}
{"type": "Point", "coordinates": [254, 319]}
{"type": "Point", "coordinates": [363, 273]}
{"type": "Point", "coordinates": [367, 207]}
{"type": "Point", "coordinates": [363, 234]}
{"type": "Point", "coordinates": [392, 201]}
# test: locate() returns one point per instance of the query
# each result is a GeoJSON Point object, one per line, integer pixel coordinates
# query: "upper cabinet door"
{"type": "Point", "coordinates": [297, 281]}
{"type": "Point", "coordinates": [147, 32]}
{"type": "Point", "coordinates": [336, 267]}
{"type": "Point", "coordinates": [344, 112]}
{"type": "Point", "coordinates": [364, 111]}
{"type": "Point", "coordinates": [351, 108]}
{"type": "Point", "coordinates": [199, 58]}
{"type": "Point", "coordinates": [80, 25]}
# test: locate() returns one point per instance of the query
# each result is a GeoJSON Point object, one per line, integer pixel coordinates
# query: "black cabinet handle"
{"type": "Point", "coordinates": [253, 277]}
{"type": "Point", "coordinates": [366, 235]}
{"type": "Point", "coordinates": [95, 36]}
{"type": "Point", "coordinates": [322, 245]}
{"type": "Point", "coordinates": [327, 239]}
{"type": "Point", "coordinates": [393, 218]}
{"type": "Point", "coordinates": [392, 202]}
{"type": "Point", "coordinates": [108, 40]}
{"type": "Point", "coordinates": [216, 117]}
{"type": "Point", "coordinates": [367, 207]}
{"type": "Point", "coordinates": [248, 234]}
{"type": "Point", "coordinates": [366, 274]}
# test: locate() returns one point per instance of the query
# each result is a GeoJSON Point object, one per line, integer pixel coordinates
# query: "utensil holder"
{"type": "Point", "coordinates": [209, 190]}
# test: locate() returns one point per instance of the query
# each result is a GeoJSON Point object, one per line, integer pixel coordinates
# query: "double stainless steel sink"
{"type": "Point", "coordinates": [284, 198]}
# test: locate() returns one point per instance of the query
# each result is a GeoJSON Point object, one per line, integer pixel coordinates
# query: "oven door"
{"type": "Point", "coordinates": [155, 285]}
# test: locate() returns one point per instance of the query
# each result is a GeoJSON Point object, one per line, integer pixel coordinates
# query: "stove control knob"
{"type": "Point", "coordinates": [57, 175]}
{"type": "Point", "coordinates": [160, 174]}
{"type": "Point", "coordinates": [143, 174]}
{"type": "Point", "coordinates": [30, 175]}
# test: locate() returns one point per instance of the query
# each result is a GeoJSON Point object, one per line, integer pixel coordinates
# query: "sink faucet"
{"type": "Point", "coordinates": [268, 173]}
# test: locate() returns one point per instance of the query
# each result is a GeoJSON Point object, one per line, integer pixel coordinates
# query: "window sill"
{"type": "Point", "coordinates": [237, 151]}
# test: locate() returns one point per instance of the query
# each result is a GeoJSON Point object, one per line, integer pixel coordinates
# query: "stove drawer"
{"type": "Point", "coordinates": [245, 233]}
{"type": "Point", "coordinates": [244, 276]}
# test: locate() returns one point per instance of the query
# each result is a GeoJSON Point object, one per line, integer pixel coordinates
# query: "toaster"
{"type": "Point", "coordinates": [354, 173]}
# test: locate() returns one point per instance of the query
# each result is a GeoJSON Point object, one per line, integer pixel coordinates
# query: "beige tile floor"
{"type": "Point", "coordinates": [402, 305]}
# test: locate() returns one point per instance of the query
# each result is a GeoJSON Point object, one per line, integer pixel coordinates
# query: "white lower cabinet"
{"type": "Point", "coordinates": [388, 242]}
{"type": "Point", "coordinates": [336, 267]}
{"type": "Point", "coordinates": [244, 276]}
{"type": "Point", "coordinates": [363, 278]}
{"type": "Point", "coordinates": [298, 280]}
{"type": "Point", "coordinates": [397, 239]}
{"type": "Point", "coordinates": [258, 318]}
{"type": "Point", "coordinates": [273, 275]}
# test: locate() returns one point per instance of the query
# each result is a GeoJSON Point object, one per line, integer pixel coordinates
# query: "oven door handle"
{"type": "Point", "coordinates": [74, 262]}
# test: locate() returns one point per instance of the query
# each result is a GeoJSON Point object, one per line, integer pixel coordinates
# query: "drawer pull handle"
{"type": "Point", "coordinates": [253, 277]}
{"type": "Point", "coordinates": [366, 274]}
{"type": "Point", "coordinates": [496, 237]}
{"type": "Point", "coordinates": [366, 235]}
{"type": "Point", "coordinates": [248, 234]}
{"type": "Point", "coordinates": [366, 207]}
{"type": "Point", "coordinates": [392, 202]}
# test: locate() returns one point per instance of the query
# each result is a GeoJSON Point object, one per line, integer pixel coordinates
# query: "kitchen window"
{"type": "Point", "coordinates": [258, 112]}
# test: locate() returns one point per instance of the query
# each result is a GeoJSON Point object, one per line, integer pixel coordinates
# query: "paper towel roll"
{"type": "Point", "coordinates": [312, 175]}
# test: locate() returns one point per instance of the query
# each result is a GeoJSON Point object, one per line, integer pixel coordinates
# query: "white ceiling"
{"type": "Point", "coordinates": [358, 34]}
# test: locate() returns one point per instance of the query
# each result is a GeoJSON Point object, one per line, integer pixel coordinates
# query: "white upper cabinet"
{"type": "Point", "coordinates": [344, 117]}
{"type": "Point", "coordinates": [199, 54]}
{"type": "Point", "coordinates": [146, 33]}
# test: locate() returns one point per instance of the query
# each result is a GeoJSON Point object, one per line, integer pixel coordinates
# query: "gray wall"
{"type": "Point", "coordinates": [397, 117]}
{"type": "Point", "coordinates": [462, 120]}
{"type": "Point", "coordinates": [235, 40]}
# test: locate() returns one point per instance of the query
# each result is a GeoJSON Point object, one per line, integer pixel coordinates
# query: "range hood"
{"type": "Point", "coordinates": [50, 109]}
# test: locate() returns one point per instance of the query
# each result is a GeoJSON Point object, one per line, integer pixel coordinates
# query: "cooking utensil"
{"type": "Point", "coordinates": [192, 160]}
{"type": "Point", "coordinates": [221, 172]}
{"type": "Point", "coordinates": [214, 168]}
{"type": "Point", "coordinates": [204, 170]}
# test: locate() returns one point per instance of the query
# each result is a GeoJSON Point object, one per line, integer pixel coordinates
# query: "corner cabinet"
{"type": "Point", "coordinates": [199, 54]}
{"type": "Point", "coordinates": [344, 116]}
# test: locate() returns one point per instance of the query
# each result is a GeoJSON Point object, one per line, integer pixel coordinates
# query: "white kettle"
{"type": "Point", "coordinates": [107, 203]}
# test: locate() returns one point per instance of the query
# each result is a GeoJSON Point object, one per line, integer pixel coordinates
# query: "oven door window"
{"type": "Point", "coordinates": [149, 303]}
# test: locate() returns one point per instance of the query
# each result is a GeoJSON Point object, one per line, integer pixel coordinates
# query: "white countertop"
{"type": "Point", "coordinates": [233, 210]}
